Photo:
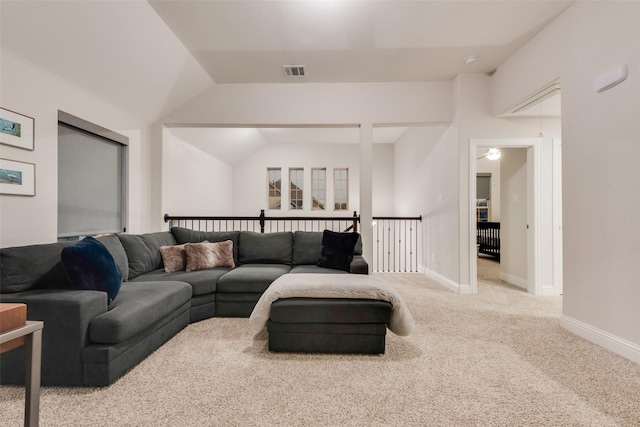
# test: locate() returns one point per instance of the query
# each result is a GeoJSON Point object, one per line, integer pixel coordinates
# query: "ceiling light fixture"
{"type": "Point", "coordinates": [470, 59]}
{"type": "Point", "coordinates": [491, 154]}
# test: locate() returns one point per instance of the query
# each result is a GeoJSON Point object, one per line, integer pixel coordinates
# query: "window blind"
{"type": "Point", "coordinates": [91, 181]}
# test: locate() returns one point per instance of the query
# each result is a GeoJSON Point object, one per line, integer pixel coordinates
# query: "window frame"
{"type": "Point", "coordinates": [277, 192]}
{"type": "Point", "coordinates": [299, 189]}
{"type": "Point", "coordinates": [340, 191]}
{"type": "Point", "coordinates": [318, 195]}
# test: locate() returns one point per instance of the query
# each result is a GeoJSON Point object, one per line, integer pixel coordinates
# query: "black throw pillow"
{"type": "Point", "coordinates": [90, 266]}
{"type": "Point", "coordinates": [337, 250]}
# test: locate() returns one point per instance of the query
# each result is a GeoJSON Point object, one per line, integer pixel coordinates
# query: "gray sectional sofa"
{"type": "Point", "coordinates": [87, 341]}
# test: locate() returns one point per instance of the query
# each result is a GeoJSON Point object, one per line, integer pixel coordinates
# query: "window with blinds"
{"type": "Point", "coordinates": [91, 179]}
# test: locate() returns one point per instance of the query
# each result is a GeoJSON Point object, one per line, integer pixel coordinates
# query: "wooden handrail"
{"type": "Point", "coordinates": [401, 218]}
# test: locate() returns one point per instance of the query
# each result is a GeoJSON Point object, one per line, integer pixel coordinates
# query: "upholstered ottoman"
{"type": "Point", "coordinates": [326, 325]}
{"type": "Point", "coordinates": [330, 313]}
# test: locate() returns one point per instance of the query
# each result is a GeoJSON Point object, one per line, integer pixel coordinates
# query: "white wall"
{"type": "Point", "coordinates": [426, 184]}
{"type": "Point", "coordinates": [37, 93]}
{"type": "Point", "coordinates": [339, 103]}
{"type": "Point", "coordinates": [383, 180]}
{"type": "Point", "coordinates": [601, 192]}
{"type": "Point", "coordinates": [513, 226]}
{"type": "Point", "coordinates": [194, 182]}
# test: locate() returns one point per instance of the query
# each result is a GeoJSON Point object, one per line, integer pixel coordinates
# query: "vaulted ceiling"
{"type": "Point", "coordinates": [353, 41]}
{"type": "Point", "coordinates": [149, 57]}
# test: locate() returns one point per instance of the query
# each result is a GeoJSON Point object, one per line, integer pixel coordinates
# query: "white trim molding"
{"type": "Point", "coordinates": [604, 339]}
{"type": "Point", "coordinates": [514, 280]}
{"type": "Point", "coordinates": [448, 283]}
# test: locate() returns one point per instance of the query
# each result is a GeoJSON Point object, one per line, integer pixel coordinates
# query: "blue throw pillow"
{"type": "Point", "coordinates": [90, 266]}
{"type": "Point", "coordinates": [337, 250]}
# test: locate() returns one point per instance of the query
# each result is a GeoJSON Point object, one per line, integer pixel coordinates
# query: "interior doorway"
{"type": "Point", "coordinates": [519, 235]}
{"type": "Point", "coordinates": [535, 203]}
{"type": "Point", "coordinates": [501, 175]}
{"type": "Point", "coordinates": [502, 188]}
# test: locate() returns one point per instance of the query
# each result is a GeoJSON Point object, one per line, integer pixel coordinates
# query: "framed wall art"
{"type": "Point", "coordinates": [16, 130]}
{"type": "Point", "coordinates": [17, 178]}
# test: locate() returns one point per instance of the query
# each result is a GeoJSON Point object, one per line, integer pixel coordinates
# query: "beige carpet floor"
{"type": "Point", "coordinates": [489, 272]}
{"type": "Point", "coordinates": [498, 358]}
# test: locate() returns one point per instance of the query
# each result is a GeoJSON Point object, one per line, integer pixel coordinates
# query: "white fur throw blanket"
{"type": "Point", "coordinates": [354, 286]}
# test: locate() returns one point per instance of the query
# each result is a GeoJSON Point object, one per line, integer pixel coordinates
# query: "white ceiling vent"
{"type": "Point", "coordinates": [293, 70]}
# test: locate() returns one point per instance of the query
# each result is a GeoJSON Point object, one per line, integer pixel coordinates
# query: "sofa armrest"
{"type": "Point", "coordinates": [359, 265]}
{"type": "Point", "coordinates": [66, 315]}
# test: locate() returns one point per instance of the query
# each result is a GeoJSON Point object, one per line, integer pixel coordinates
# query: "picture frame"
{"type": "Point", "coordinates": [16, 130]}
{"type": "Point", "coordinates": [17, 178]}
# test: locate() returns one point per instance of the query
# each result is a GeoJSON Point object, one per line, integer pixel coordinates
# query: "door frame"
{"type": "Point", "coordinates": [533, 208]}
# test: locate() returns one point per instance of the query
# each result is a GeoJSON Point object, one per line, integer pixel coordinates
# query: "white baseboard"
{"type": "Point", "coordinates": [447, 283]}
{"type": "Point", "coordinates": [604, 339]}
{"type": "Point", "coordinates": [514, 280]}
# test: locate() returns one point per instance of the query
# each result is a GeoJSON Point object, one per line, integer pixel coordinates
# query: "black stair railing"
{"type": "Point", "coordinates": [265, 224]}
{"type": "Point", "coordinates": [397, 244]}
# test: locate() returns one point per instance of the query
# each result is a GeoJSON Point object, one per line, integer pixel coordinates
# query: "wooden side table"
{"type": "Point", "coordinates": [32, 333]}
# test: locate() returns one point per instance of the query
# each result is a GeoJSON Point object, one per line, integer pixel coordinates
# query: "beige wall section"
{"type": "Point", "coordinates": [601, 193]}
{"type": "Point", "coordinates": [339, 103]}
{"type": "Point", "coordinates": [383, 180]}
{"type": "Point", "coordinates": [426, 184]}
{"type": "Point", "coordinates": [513, 226]}
{"type": "Point", "coordinates": [34, 92]}
{"type": "Point", "coordinates": [194, 182]}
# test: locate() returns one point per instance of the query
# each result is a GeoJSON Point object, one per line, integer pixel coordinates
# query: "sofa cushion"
{"type": "Point", "coordinates": [174, 258]}
{"type": "Point", "coordinates": [337, 250]}
{"type": "Point", "coordinates": [185, 235]}
{"type": "Point", "coordinates": [30, 267]}
{"type": "Point", "coordinates": [114, 246]}
{"type": "Point", "coordinates": [203, 281]}
{"type": "Point", "coordinates": [138, 307]}
{"type": "Point", "coordinates": [250, 278]}
{"type": "Point", "coordinates": [267, 248]}
{"type": "Point", "coordinates": [207, 255]}
{"type": "Point", "coordinates": [306, 247]}
{"type": "Point", "coordinates": [143, 251]}
{"type": "Point", "coordinates": [91, 267]}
